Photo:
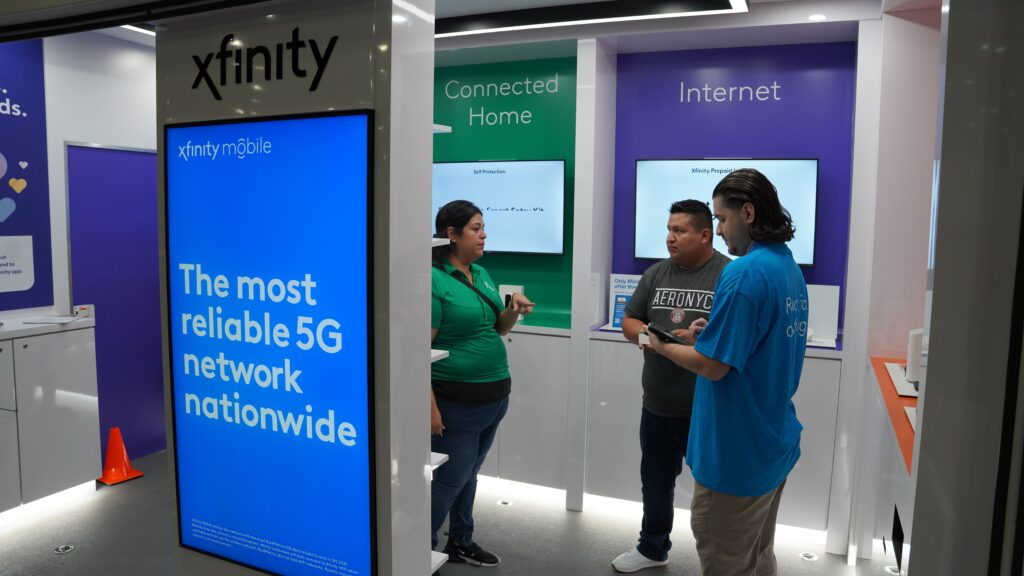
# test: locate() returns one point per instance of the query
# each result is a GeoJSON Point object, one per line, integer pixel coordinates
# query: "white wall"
{"type": "Point", "coordinates": [99, 90]}
{"type": "Point", "coordinates": [889, 231]}
{"type": "Point", "coordinates": [976, 259]}
{"type": "Point", "coordinates": [906, 154]}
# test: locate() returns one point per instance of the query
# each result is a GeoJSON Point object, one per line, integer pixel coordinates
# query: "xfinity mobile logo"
{"type": "Point", "coordinates": [269, 63]}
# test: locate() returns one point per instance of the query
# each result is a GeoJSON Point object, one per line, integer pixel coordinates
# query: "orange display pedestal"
{"type": "Point", "coordinates": [894, 405]}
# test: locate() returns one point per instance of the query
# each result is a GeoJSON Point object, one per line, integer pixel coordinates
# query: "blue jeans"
{"type": "Point", "coordinates": [663, 448]}
{"type": "Point", "coordinates": [469, 431]}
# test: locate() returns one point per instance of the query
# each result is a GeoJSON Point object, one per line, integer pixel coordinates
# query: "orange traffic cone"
{"type": "Point", "coordinates": [117, 468]}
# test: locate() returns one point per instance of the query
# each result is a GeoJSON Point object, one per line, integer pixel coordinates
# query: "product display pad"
{"type": "Point", "coordinates": [269, 290]}
{"type": "Point", "coordinates": [659, 183]}
{"type": "Point", "coordinates": [523, 202]}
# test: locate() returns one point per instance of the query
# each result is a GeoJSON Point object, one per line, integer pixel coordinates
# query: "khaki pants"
{"type": "Point", "coordinates": [735, 535]}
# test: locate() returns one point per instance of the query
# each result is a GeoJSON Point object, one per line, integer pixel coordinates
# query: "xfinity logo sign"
{"type": "Point", "coordinates": [245, 63]}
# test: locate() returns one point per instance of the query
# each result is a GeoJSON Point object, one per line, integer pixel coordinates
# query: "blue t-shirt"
{"type": "Point", "coordinates": [744, 434]}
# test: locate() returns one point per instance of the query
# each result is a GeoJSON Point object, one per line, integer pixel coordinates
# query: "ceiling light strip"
{"type": "Point", "coordinates": [586, 22]}
{"type": "Point", "coordinates": [139, 30]}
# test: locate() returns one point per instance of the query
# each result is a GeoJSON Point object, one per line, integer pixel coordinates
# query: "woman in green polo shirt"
{"type": "Point", "coordinates": [469, 388]}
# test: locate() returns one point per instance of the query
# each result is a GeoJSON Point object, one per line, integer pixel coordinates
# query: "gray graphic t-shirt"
{"type": "Point", "coordinates": [673, 298]}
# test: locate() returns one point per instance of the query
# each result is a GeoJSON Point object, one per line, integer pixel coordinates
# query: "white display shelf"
{"type": "Point", "coordinates": [910, 411]}
{"type": "Point", "coordinates": [442, 129]}
{"type": "Point", "coordinates": [436, 459]}
{"type": "Point", "coordinates": [437, 559]}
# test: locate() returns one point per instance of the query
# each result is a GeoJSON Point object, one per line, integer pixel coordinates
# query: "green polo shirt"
{"type": "Point", "coordinates": [465, 328]}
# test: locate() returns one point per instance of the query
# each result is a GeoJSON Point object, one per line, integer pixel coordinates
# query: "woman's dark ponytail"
{"type": "Point", "coordinates": [455, 214]}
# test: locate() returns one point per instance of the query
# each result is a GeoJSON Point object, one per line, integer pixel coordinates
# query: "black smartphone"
{"type": "Point", "coordinates": [508, 300]}
{"type": "Point", "coordinates": [664, 334]}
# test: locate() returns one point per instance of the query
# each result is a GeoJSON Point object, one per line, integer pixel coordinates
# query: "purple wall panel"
{"type": "Point", "coordinates": [813, 119]}
{"type": "Point", "coordinates": [112, 203]}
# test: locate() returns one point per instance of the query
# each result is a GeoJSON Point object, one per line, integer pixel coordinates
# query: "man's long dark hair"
{"type": "Point", "coordinates": [772, 222]}
{"type": "Point", "coordinates": [455, 214]}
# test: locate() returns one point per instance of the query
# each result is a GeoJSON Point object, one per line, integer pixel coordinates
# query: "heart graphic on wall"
{"type": "Point", "coordinates": [23, 164]}
{"type": "Point", "coordinates": [3, 165]}
{"type": "Point", "coordinates": [7, 207]}
{"type": "Point", "coordinates": [17, 184]}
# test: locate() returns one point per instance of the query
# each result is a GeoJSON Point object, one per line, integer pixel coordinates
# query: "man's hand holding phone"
{"type": "Point", "coordinates": [663, 334]}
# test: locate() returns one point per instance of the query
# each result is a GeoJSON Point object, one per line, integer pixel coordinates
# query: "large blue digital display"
{"type": "Point", "coordinates": [267, 235]}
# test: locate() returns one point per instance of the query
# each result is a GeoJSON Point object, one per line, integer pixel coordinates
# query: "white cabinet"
{"type": "Point", "coordinates": [805, 498]}
{"type": "Point", "coordinates": [532, 447]}
{"type": "Point", "coordinates": [613, 445]}
{"type": "Point", "coordinates": [613, 424]}
{"type": "Point", "coordinates": [56, 423]}
{"type": "Point", "coordinates": [10, 477]}
{"type": "Point", "coordinates": [7, 376]}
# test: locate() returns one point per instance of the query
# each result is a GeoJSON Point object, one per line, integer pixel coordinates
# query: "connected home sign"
{"type": "Point", "coordinates": [505, 98]}
{"type": "Point", "coordinates": [270, 335]}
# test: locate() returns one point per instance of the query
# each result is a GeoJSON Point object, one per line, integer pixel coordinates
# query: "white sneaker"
{"type": "Point", "coordinates": [633, 560]}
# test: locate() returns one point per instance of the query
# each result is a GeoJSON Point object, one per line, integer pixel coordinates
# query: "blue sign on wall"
{"type": "Point", "coordinates": [268, 255]}
{"type": "Point", "coordinates": [26, 273]}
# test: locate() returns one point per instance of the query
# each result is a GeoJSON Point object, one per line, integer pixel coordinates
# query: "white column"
{"type": "Point", "coordinates": [858, 284]}
{"type": "Point", "coordinates": [405, 90]}
{"type": "Point", "coordinates": [592, 240]}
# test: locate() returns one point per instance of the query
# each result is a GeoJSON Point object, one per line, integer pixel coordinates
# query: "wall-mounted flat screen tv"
{"type": "Point", "coordinates": [522, 201]}
{"type": "Point", "coordinates": [659, 183]}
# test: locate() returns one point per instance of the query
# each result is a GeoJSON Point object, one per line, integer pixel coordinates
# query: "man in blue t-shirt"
{"type": "Point", "coordinates": [744, 433]}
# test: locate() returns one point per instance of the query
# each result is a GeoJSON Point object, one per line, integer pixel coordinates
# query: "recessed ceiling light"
{"type": "Point", "coordinates": [817, 17]}
{"type": "Point", "coordinates": [398, 18]}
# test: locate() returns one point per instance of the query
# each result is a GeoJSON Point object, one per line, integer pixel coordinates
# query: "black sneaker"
{"type": "Point", "coordinates": [472, 554]}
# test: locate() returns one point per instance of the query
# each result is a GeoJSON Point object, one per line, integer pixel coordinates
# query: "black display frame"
{"type": "Point", "coordinates": [817, 197]}
{"type": "Point", "coordinates": [561, 250]}
{"type": "Point", "coordinates": [368, 328]}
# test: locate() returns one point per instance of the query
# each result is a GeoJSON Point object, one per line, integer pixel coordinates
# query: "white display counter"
{"type": "Point", "coordinates": [49, 410]}
{"type": "Point", "coordinates": [532, 445]}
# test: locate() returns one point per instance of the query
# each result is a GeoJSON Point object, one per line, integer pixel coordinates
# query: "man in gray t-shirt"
{"type": "Point", "coordinates": [673, 294]}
